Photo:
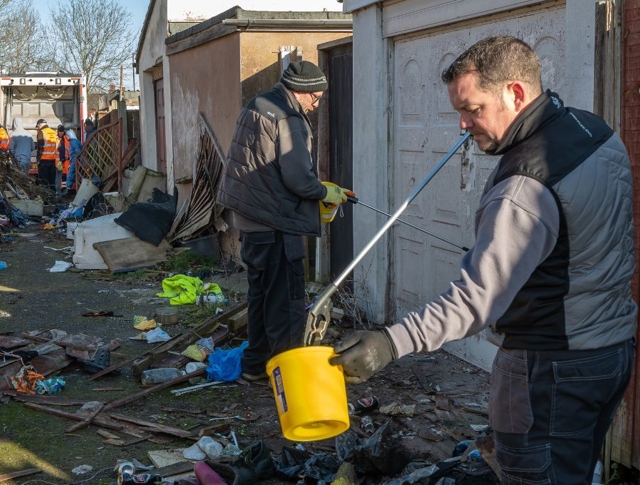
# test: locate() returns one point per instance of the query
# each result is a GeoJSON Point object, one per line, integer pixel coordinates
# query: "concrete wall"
{"type": "Point", "coordinates": [261, 60]}
{"type": "Point", "coordinates": [204, 79]}
{"type": "Point", "coordinates": [151, 63]}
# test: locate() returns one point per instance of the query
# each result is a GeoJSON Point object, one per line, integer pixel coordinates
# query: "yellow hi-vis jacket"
{"type": "Point", "coordinates": [4, 139]}
{"type": "Point", "coordinates": [49, 150]}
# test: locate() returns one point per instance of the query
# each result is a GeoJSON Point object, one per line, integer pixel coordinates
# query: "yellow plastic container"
{"type": "Point", "coordinates": [310, 394]}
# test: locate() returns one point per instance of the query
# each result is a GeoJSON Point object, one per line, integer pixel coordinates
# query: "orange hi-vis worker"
{"type": "Point", "coordinates": [50, 146]}
{"type": "Point", "coordinates": [4, 139]}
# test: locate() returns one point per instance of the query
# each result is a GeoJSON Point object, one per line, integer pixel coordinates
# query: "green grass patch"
{"type": "Point", "coordinates": [187, 261]}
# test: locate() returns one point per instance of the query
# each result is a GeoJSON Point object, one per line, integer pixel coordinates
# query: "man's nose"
{"type": "Point", "coordinates": [465, 122]}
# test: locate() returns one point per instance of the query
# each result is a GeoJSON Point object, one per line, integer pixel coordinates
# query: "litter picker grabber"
{"type": "Point", "coordinates": [320, 313]}
{"type": "Point", "coordinates": [355, 200]}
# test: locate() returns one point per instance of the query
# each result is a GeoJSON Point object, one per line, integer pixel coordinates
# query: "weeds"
{"type": "Point", "coordinates": [196, 314]}
{"type": "Point", "coordinates": [185, 261]}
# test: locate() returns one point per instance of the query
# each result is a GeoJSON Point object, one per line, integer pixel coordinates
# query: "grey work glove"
{"type": "Point", "coordinates": [363, 354]}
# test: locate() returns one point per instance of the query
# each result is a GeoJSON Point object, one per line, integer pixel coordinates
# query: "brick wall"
{"type": "Point", "coordinates": [631, 136]}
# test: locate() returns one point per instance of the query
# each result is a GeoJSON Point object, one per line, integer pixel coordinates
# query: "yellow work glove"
{"type": "Point", "coordinates": [336, 195]}
{"type": "Point", "coordinates": [59, 166]}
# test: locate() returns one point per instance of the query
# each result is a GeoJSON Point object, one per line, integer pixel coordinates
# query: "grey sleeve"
{"type": "Point", "coordinates": [296, 164]}
{"type": "Point", "coordinates": [516, 229]}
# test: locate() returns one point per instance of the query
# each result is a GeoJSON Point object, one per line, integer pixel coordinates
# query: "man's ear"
{"type": "Point", "coordinates": [519, 94]}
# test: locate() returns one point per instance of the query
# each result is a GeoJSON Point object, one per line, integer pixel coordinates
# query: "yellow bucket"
{"type": "Point", "coordinates": [310, 394]}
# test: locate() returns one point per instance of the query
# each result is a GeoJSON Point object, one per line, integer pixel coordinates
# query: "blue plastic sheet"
{"type": "Point", "coordinates": [225, 365]}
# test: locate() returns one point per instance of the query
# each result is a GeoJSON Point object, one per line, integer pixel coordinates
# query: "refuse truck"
{"type": "Point", "coordinates": [59, 98]}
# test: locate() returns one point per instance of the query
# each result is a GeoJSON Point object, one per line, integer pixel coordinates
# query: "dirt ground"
{"type": "Point", "coordinates": [449, 395]}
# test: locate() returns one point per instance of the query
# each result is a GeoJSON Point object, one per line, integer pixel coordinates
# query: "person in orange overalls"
{"type": "Point", "coordinates": [64, 159]}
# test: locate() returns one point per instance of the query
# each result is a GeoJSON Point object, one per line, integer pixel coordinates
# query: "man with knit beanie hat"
{"type": "Point", "coordinates": [271, 190]}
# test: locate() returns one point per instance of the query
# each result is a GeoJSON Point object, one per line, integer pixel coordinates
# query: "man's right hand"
{"type": "Point", "coordinates": [363, 354]}
{"type": "Point", "coordinates": [336, 195]}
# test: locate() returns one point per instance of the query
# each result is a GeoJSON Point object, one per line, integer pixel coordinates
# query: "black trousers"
{"type": "Point", "coordinates": [276, 316]}
{"type": "Point", "coordinates": [550, 411]}
{"type": "Point", "coordinates": [47, 173]}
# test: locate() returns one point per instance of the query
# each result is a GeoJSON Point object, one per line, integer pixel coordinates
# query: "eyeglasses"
{"type": "Point", "coordinates": [314, 98]}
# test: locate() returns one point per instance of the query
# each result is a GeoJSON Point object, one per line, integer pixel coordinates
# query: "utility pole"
{"type": "Point", "coordinates": [133, 69]}
{"type": "Point", "coordinates": [121, 79]}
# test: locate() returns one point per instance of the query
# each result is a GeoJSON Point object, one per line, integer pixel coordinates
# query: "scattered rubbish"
{"type": "Point", "coordinates": [364, 405]}
{"type": "Point", "coordinates": [128, 479]}
{"type": "Point", "coordinates": [196, 352]}
{"type": "Point", "coordinates": [82, 470]}
{"type": "Point", "coordinates": [25, 380]}
{"type": "Point", "coordinates": [100, 361]}
{"type": "Point", "coordinates": [197, 387]}
{"type": "Point", "coordinates": [163, 374]}
{"type": "Point", "coordinates": [151, 221]}
{"type": "Point", "coordinates": [224, 365]}
{"type": "Point", "coordinates": [60, 267]}
{"type": "Point", "coordinates": [382, 453]}
{"type": "Point", "coordinates": [3, 265]}
{"type": "Point", "coordinates": [142, 323]}
{"type": "Point", "coordinates": [192, 367]}
{"type": "Point", "coordinates": [366, 423]}
{"type": "Point", "coordinates": [396, 409]}
{"type": "Point", "coordinates": [157, 335]}
{"type": "Point", "coordinates": [166, 316]}
{"type": "Point", "coordinates": [124, 470]}
{"type": "Point", "coordinates": [99, 314]}
{"type": "Point", "coordinates": [480, 428]}
{"type": "Point", "coordinates": [210, 447]}
{"type": "Point", "coordinates": [50, 386]}
{"type": "Point", "coordinates": [185, 290]}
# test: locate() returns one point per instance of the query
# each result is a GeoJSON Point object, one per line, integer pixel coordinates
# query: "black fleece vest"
{"type": "Point", "coordinates": [546, 144]}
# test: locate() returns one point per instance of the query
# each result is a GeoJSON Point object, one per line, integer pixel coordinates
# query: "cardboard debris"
{"type": "Point", "coordinates": [130, 254]}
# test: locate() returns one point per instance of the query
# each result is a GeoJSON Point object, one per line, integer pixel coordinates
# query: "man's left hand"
{"type": "Point", "coordinates": [363, 354]}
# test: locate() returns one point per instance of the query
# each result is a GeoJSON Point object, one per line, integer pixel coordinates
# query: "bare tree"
{"type": "Point", "coordinates": [93, 37]}
{"type": "Point", "coordinates": [20, 38]}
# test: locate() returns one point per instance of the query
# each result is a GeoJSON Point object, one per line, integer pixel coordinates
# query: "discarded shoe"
{"type": "Point", "coordinates": [262, 376]}
{"type": "Point", "coordinates": [254, 465]}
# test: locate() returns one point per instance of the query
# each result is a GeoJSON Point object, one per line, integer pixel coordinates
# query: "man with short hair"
{"type": "Point", "coordinates": [271, 188]}
{"type": "Point", "coordinates": [46, 146]}
{"type": "Point", "coordinates": [549, 274]}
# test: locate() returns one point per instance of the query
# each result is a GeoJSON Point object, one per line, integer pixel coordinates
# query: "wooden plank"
{"type": "Point", "coordinates": [85, 422]}
{"type": "Point", "coordinates": [154, 427]}
{"type": "Point", "coordinates": [238, 321]}
{"type": "Point", "coordinates": [10, 476]}
{"type": "Point", "coordinates": [98, 420]}
{"type": "Point", "coordinates": [130, 254]}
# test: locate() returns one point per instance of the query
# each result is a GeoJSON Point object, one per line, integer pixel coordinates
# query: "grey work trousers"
{"type": "Point", "coordinates": [276, 315]}
{"type": "Point", "coordinates": [550, 411]}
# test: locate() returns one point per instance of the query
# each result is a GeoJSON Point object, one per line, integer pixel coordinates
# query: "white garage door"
{"type": "Point", "coordinates": [425, 128]}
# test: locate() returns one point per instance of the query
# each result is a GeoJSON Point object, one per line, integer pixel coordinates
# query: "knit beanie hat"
{"type": "Point", "coordinates": [304, 77]}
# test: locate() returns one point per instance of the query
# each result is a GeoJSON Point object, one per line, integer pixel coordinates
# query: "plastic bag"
{"type": "Point", "coordinates": [157, 335]}
{"type": "Point", "coordinates": [224, 365]}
